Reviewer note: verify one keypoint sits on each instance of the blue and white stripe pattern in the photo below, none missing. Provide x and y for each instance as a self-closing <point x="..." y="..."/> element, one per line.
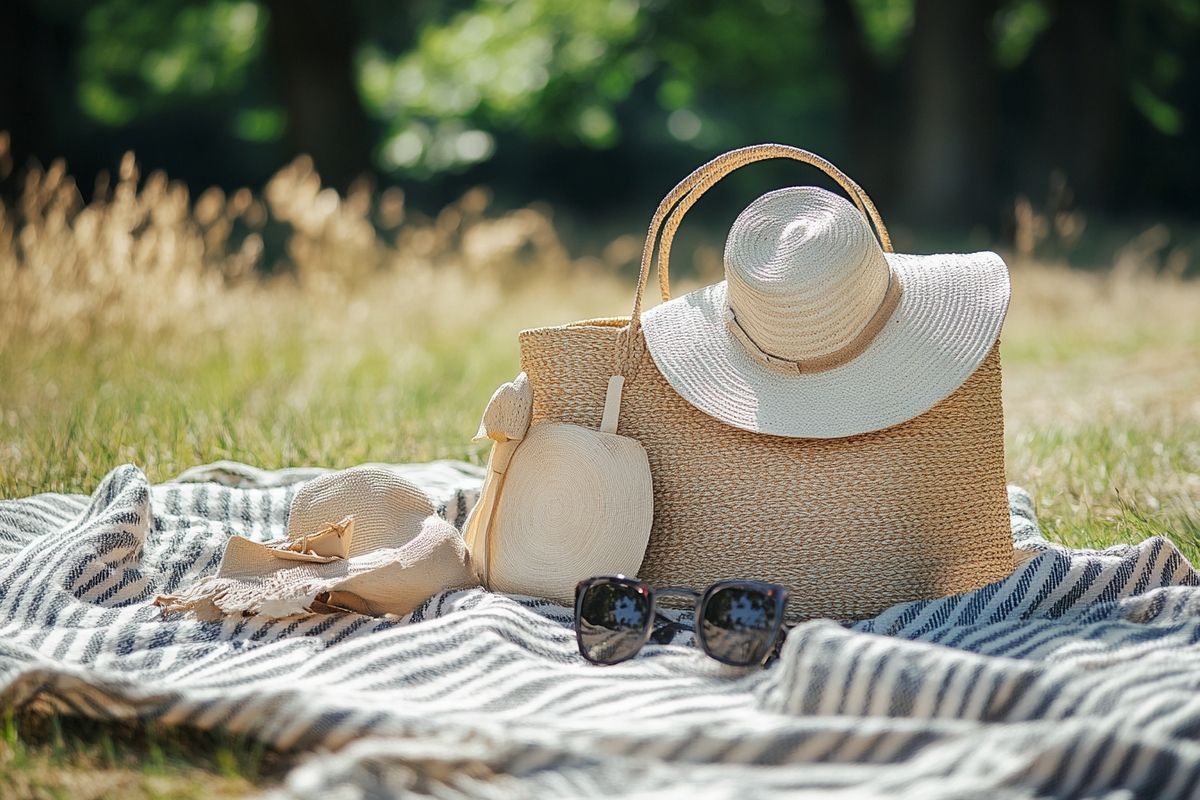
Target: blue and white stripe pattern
<point x="1077" y="676"/>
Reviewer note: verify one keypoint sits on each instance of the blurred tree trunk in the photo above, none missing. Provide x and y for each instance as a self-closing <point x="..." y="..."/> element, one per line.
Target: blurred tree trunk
<point x="312" y="47"/>
<point x="951" y="114"/>
<point x="27" y="87"/>
<point x="1079" y="74"/>
<point x="872" y="150"/>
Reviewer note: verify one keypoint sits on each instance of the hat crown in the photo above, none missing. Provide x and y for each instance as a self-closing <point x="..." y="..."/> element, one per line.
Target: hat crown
<point x="804" y="272"/>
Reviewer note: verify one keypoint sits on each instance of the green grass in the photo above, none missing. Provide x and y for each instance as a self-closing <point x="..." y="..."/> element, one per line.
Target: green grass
<point x="47" y="756"/>
<point x="1102" y="395"/>
<point x="1102" y="400"/>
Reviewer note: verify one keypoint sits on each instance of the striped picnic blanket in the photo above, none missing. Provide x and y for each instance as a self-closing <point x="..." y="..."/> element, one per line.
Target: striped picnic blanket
<point x="1079" y="675"/>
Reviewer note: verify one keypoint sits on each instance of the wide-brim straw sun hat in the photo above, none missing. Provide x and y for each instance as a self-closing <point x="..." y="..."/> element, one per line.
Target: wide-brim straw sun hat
<point x="817" y="332"/>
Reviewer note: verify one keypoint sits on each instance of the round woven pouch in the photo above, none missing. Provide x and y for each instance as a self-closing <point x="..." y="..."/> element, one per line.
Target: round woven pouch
<point x="561" y="502"/>
<point x="576" y="503"/>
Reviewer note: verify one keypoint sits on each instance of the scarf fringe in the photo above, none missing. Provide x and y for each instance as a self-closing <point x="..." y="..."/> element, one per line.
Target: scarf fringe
<point x="214" y="598"/>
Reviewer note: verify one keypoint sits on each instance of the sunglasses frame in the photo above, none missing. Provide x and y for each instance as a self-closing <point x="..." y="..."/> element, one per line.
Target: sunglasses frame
<point x="772" y="590"/>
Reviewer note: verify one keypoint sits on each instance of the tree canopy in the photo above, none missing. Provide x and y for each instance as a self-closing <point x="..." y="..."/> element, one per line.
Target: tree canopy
<point x="945" y="108"/>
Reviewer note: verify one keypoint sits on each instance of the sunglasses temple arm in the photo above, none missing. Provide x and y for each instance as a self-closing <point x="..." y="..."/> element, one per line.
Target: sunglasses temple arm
<point x="780" y="638"/>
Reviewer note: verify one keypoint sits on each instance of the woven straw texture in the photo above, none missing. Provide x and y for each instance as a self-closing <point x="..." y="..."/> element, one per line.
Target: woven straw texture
<point x="816" y="332"/>
<point x="560" y="503"/>
<point x="399" y="553"/>
<point x="850" y="525"/>
<point x="387" y="510"/>
<point x="576" y="503"/>
<point x="506" y="417"/>
<point x="844" y="280"/>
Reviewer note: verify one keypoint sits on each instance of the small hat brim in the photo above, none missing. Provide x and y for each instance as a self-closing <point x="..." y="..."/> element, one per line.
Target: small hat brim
<point x="948" y="318"/>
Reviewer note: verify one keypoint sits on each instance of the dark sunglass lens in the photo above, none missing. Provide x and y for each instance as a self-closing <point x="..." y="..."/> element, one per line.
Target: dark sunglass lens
<point x="613" y="619"/>
<point x="738" y="625"/>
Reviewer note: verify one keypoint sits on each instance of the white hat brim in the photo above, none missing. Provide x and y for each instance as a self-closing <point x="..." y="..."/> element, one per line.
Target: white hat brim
<point x="949" y="317"/>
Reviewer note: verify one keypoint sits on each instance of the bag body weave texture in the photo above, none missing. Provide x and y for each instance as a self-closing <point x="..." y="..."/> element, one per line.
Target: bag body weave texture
<point x="849" y="525"/>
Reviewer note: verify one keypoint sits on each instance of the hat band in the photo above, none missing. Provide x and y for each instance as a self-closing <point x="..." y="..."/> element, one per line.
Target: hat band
<point x="842" y="355"/>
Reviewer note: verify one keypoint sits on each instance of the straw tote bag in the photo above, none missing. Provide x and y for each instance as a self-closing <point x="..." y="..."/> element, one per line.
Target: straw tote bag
<point x="850" y="524"/>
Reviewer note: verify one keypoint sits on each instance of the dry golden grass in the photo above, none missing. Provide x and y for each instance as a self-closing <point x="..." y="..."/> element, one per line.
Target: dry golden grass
<point x="1102" y="396"/>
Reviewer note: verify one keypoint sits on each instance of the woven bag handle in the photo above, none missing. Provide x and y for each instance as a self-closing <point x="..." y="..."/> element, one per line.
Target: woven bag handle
<point x="685" y="194"/>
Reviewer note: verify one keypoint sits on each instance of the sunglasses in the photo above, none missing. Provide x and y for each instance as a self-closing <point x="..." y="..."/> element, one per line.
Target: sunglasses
<point x="736" y="622"/>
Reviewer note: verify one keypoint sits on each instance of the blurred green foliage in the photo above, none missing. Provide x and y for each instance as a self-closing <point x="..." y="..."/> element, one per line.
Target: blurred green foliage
<point x="886" y="24"/>
<point x="1017" y="28"/>
<point x="543" y="67"/>
<point x="546" y="68"/>
<point x="136" y="56"/>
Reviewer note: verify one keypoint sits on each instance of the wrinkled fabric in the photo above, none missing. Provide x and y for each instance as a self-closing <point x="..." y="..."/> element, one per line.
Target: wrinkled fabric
<point x="1079" y="675"/>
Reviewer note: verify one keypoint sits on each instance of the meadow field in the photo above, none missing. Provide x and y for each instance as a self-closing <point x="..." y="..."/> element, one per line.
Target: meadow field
<point x="169" y="329"/>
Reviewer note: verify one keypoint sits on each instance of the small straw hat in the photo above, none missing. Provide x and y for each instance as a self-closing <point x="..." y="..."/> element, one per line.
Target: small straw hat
<point x="364" y="540"/>
<point x="816" y="332"/>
